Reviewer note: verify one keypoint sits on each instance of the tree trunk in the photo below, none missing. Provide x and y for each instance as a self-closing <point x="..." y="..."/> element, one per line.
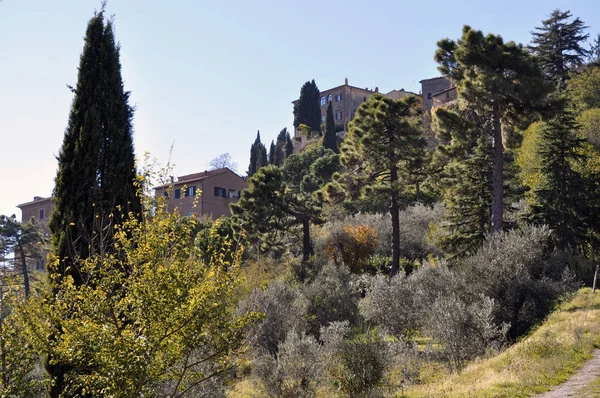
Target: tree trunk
<point x="497" y="175"/>
<point x="25" y="271"/>
<point x="306" y="245"/>
<point x="394" y="212"/>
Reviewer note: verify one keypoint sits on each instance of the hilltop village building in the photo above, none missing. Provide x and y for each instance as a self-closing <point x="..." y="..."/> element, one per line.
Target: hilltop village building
<point x="346" y="99"/>
<point x="217" y="188"/>
<point x="37" y="211"/>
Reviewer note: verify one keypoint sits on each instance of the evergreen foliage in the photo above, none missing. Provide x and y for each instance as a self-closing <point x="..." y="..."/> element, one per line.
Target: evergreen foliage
<point x="557" y="44"/>
<point x="561" y="201"/>
<point x="258" y="156"/>
<point x="330" y="138"/>
<point x="308" y="109"/>
<point x="272" y="152"/>
<point x="382" y="150"/>
<point x="95" y="183"/>
<point x="279" y="197"/>
<point x="502" y="83"/>
<point x="289" y="145"/>
<point x="95" y="187"/>
<point x="280" y="148"/>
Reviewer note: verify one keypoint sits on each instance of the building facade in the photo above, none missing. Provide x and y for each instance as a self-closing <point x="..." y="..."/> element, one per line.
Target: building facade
<point x="445" y="97"/>
<point x="430" y="88"/>
<point x="346" y="99"/>
<point x="208" y="193"/>
<point x="38" y="211"/>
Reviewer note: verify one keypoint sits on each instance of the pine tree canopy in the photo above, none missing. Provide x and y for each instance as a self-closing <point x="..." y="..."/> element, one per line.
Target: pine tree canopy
<point x="95" y="183"/>
<point x="557" y="44"/>
<point x="308" y="108"/>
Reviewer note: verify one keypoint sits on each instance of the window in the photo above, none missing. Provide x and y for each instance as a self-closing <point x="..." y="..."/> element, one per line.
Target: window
<point x="364" y="99"/>
<point x="323" y="100"/>
<point x="338" y="115"/>
<point x="220" y="192"/>
<point x="338" y="97"/>
<point x="190" y="191"/>
<point x="177" y="193"/>
<point x="41" y="214"/>
<point x="448" y="95"/>
<point x="166" y="194"/>
<point x="232" y="193"/>
<point x="428" y="95"/>
<point x="329" y="98"/>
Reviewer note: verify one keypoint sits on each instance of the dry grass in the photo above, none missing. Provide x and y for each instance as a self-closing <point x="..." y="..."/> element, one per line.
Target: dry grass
<point x="548" y="357"/>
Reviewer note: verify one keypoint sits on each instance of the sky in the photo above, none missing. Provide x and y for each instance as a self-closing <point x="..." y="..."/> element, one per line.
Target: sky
<point x="205" y="76"/>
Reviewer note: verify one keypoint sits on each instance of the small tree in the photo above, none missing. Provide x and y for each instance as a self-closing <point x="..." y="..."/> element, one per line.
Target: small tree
<point x="560" y="201"/>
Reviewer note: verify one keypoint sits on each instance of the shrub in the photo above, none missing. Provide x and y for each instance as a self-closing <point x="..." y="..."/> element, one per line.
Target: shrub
<point x="516" y="270"/>
<point x="353" y="246"/>
<point x="328" y="298"/>
<point x="360" y="364"/>
<point x="276" y="303"/>
<point x="295" y="372"/>
<point x="463" y="330"/>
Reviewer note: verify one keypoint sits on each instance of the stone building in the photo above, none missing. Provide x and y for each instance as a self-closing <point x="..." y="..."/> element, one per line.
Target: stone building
<point x="345" y="101"/>
<point x="38" y="211"/>
<point x="445" y="97"/>
<point x="208" y="193"/>
<point x="431" y="87"/>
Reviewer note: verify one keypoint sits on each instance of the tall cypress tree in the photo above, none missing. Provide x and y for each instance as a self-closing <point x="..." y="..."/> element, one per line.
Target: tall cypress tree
<point x="330" y="138"/>
<point x="289" y="145"/>
<point x="272" y="153"/>
<point x="308" y="108"/>
<point x="261" y="158"/>
<point x="561" y="201"/>
<point x="557" y="43"/>
<point x="254" y="149"/>
<point x="94" y="185"/>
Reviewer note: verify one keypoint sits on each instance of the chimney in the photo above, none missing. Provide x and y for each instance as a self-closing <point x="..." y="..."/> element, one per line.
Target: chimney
<point x="376" y="89"/>
<point x="172" y="179"/>
<point x="346" y="81"/>
<point x="36" y="198"/>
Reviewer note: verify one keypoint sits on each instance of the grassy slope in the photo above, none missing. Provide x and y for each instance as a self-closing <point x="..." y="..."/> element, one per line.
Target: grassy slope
<point x="546" y="358"/>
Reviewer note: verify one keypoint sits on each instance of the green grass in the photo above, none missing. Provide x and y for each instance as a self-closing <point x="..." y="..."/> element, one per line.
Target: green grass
<point x="547" y="357"/>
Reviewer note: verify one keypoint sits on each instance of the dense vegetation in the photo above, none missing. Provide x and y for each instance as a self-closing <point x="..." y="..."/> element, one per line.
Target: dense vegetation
<point x="354" y="266"/>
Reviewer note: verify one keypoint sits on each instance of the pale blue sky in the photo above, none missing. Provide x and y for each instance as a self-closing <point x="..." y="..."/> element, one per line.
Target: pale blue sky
<point x="207" y="75"/>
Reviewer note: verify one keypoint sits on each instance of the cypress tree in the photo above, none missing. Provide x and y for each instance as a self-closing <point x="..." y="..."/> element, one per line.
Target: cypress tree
<point x="557" y="43"/>
<point x="561" y="201"/>
<point x="96" y="174"/>
<point x="289" y="145"/>
<point x="261" y="157"/>
<point x="308" y="108"/>
<point x="280" y="149"/>
<point x="254" y="149"/>
<point x="330" y="138"/>
<point x="272" y="153"/>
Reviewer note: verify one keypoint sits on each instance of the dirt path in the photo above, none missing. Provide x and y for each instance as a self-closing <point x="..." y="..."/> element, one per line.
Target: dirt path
<point x="589" y="372"/>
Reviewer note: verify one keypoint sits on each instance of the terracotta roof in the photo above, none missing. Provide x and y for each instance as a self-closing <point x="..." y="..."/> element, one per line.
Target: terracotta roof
<point x="36" y="199"/>
<point x="195" y="177"/>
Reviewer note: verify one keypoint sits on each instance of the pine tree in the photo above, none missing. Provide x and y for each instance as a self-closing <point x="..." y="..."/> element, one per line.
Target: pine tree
<point x="561" y="201"/>
<point x="382" y="150"/>
<point x="95" y="182"/>
<point x="502" y="83"/>
<point x="557" y="44"/>
<point x="308" y="109"/>
<point x="330" y="138"/>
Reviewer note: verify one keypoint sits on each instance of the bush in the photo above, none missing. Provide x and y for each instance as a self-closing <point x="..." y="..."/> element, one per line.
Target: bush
<point x="276" y="303"/>
<point x="353" y="246"/>
<point x="516" y="270"/>
<point x="463" y="330"/>
<point x="328" y="298"/>
<point x="295" y="372"/>
<point x="360" y="365"/>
